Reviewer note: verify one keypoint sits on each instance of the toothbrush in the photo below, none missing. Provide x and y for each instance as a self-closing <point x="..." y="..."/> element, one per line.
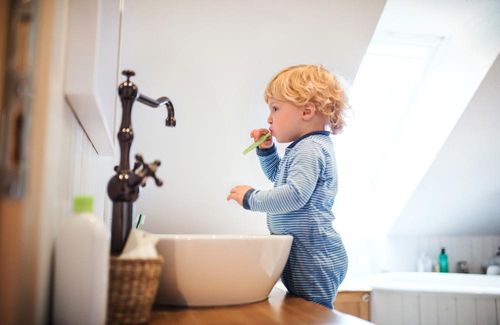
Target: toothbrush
<point x="140" y="221"/>
<point x="257" y="143"/>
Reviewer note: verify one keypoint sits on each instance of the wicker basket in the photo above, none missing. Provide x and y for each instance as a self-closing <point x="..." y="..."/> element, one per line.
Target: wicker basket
<point x="132" y="289"/>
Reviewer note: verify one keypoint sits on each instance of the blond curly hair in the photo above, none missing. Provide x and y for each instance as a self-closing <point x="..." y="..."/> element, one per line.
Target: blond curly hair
<point x="307" y="83"/>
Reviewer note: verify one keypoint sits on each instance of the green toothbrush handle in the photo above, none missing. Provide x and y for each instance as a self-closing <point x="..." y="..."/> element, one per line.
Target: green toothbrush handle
<point x="257" y="143"/>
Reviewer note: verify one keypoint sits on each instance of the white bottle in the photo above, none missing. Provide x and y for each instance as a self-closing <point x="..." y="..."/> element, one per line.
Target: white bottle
<point x="81" y="268"/>
<point x="424" y="263"/>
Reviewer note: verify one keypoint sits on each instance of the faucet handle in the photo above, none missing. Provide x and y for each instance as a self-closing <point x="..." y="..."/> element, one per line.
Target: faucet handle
<point x="128" y="74"/>
<point x="147" y="170"/>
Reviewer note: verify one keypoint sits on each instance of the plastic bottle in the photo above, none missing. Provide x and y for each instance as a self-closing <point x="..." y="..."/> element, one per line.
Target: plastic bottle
<point x="495" y="259"/>
<point x="424" y="263"/>
<point x="443" y="261"/>
<point x="493" y="267"/>
<point x="81" y="267"/>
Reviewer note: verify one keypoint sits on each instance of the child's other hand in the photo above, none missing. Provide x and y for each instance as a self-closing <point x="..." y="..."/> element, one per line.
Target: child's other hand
<point x="238" y="192"/>
<point x="257" y="133"/>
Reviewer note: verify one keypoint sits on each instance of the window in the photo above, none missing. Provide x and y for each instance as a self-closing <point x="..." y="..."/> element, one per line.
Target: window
<point x="381" y="97"/>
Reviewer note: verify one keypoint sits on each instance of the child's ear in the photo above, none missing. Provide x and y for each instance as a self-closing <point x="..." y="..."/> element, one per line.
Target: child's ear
<point x="308" y="111"/>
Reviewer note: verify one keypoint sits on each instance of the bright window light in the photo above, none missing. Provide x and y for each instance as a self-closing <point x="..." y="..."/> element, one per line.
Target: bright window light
<point x="381" y="98"/>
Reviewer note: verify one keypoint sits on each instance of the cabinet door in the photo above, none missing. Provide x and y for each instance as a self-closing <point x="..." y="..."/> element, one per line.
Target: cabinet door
<point x="356" y="303"/>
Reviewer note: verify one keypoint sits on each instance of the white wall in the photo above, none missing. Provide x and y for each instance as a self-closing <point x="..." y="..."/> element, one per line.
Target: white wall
<point x="400" y="253"/>
<point x="213" y="60"/>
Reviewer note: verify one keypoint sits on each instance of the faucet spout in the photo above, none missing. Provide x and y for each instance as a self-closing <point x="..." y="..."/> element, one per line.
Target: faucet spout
<point x="170" y="121"/>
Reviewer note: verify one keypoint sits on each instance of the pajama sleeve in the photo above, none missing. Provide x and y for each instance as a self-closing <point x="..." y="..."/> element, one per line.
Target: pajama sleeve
<point x="303" y="174"/>
<point x="269" y="162"/>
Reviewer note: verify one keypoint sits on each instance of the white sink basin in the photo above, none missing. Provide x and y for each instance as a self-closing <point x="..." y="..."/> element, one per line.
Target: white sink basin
<point x="215" y="270"/>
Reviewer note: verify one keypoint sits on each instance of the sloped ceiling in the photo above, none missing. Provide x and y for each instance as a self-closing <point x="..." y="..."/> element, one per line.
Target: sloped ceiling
<point x="460" y="193"/>
<point x="458" y="190"/>
<point x="416" y="192"/>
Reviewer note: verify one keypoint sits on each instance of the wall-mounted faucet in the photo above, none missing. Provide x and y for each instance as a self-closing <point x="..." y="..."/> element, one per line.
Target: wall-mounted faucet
<point x="123" y="187"/>
<point x="170" y="121"/>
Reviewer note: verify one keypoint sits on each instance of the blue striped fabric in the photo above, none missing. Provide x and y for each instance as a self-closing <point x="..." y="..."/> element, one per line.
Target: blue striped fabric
<point x="300" y="204"/>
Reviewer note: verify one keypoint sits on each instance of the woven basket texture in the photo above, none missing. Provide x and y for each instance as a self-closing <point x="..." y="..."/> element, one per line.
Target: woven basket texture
<point x="132" y="289"/>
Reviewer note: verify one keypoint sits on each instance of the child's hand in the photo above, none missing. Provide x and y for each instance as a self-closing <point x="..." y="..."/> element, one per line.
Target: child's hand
<point x="238" y="192"/>
<point x="257" y="133"/>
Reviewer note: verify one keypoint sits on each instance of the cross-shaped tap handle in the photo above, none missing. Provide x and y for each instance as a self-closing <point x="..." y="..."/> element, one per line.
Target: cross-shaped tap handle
<point x="147" y="170"/>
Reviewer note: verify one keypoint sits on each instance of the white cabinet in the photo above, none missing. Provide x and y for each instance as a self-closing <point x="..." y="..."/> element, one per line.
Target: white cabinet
<point x="92" y="60"/>
<point x="419" y="308"/>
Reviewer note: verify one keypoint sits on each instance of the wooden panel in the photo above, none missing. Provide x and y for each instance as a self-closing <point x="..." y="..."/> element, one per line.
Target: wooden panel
<point x="428" y="309"/>
<point x="486" y="311"/>
<point x="10" y="255"/>
<point x="466" y="310"/>
<point x="356" y="303"/>
<point x="447" y="309"/>
<point x="351" y="308"/>
<point x="364" y="306"/>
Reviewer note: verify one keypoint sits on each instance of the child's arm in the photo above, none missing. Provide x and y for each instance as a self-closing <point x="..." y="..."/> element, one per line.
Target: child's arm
<point x="303" y="175"/>
<point x="268" y="156"/>
<point x="269" y="162"/>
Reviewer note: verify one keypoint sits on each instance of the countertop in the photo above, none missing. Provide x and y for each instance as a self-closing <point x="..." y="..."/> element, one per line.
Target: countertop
<point x="279" y="308"/>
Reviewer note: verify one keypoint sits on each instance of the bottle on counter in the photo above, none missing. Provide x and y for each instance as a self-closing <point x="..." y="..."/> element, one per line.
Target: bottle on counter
<point x="462" y="267"/>
<point x="424" y="263"/>
<point x="493" y="267"/>
<point x="81" y="267"/>
<point x="443" y="261"/>
<point x="495" y="259"/>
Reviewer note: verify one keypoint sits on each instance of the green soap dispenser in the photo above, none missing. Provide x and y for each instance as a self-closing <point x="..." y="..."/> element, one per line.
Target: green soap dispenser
<point x="443" y="261"/>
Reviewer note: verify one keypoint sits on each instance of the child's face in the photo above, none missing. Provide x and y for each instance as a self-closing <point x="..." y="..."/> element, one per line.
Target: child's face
<point x="285" y="120"/>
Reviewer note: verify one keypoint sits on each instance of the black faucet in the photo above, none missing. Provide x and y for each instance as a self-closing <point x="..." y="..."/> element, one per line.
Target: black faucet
<point x="123" y="187"/>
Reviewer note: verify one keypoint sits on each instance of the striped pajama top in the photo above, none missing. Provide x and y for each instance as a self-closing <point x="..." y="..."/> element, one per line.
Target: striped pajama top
<point x="300" y="204"/>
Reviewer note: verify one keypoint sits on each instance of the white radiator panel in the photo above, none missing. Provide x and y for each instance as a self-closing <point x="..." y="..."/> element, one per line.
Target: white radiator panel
<point x="410" y="308"/>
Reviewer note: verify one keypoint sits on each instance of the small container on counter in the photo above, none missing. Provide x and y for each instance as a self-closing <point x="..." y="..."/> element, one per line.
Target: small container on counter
<point x="493" y="267"/>
<point x="462" y="267"/>
<point x="443" y="261"/>
<point x="424" y="263"/>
